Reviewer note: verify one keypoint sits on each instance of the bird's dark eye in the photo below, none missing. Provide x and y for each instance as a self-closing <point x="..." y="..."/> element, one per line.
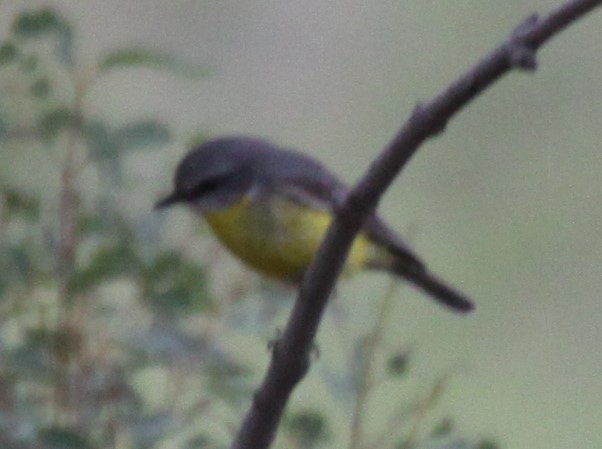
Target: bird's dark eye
<point x="203" y="188"/>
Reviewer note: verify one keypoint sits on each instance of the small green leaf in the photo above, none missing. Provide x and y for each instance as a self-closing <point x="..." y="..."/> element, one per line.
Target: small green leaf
<point x="34" y="359"/>
<point x="20" y="203"/>
<point x="54" y="121"/>
<point x="35" y="23"/>
<point x="176" y="285"/>
<point x="309" y="427"/>
<point x="20" y="264"/>
<point x="227" y="379"/>
<point x="40" y="88"/>
<point x="149" y="58"/>
<point x="88" y="225"/>
<point x="44" y="22"/>
<point x="108" y="262"/>
<point x="8" y="53"/>
<point x="397" y="365"/>
<point x="443" y="427"/>
<point x="487" y="444"/>
<point x="29" y="362"/>
<point x="141" y="135"/>
<point x="62" y="438"/>
<point x="100" y="141"/>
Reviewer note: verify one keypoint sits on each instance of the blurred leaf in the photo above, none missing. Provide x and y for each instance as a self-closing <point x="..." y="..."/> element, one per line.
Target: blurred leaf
<point x="150" y="58"/>
<point x="20" y="203"/>
<point x="54" y="121"/>
<point x="309" y="427"/>
<point x="29" y="63"/>
<point x="35" y="23"/>
<point x="487" y="444"/>
<point x="453" y="444"/>
<point x="165" y="342"/>
<point x="148" y="429"/>
<point x="33" y="360"/>
<point x="227" y="379"/>
<point x="108" y="262"/>
<point x="112" y="388"/>
<point x="176" y="285"/>
<point x="397" y="365"/>
<point x="141" y="135"/>
<point x="88" y="225"/>
<point x="30" y="362"/>
<point x="100" y="141"/>
<point x="19" y="264"/>
<point x="8" y="53"/>
<point x="40" y="88"/>
<point x="443" y="427"/>
<point x="66" y="344"/>
<point x="203" y="442"/>
<point x="45" y="22"/>
<point x="62" y="438"/>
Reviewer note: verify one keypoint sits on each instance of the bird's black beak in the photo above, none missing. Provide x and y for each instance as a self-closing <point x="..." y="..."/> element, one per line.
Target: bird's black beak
<point x="169" y="200"/>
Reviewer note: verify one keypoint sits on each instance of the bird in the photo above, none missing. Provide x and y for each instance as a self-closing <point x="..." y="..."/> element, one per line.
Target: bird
<point x="271" y="207"/>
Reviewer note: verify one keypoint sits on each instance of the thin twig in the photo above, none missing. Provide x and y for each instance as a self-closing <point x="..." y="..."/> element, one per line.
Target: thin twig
<point x="422" y="409"/>
<point x="365" y="384"/>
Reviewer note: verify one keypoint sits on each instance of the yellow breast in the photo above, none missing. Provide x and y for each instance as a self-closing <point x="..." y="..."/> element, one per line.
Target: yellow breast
<point x="279" y="237"/>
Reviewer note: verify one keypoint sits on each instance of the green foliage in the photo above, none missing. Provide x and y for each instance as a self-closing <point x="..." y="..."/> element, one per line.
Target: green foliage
<point x="106" y="263"/>
<point x="31" y="360"/>
<point x="397" y="364"/>
<point x="37" y="23"/>
<point x="29" y="63"/>
<point x="8" y="52"/>
<point x="67" y="359"/>
<point x="17" y="202"/>
<point x="59" y="438"/>
<point x="53" y="121"/>
<point x="172" y="284"/>
<point x="40" y="88"/>
<point x="308" y="428"/>
<point x="107" y="145"/>
<point x="99" y="139"/>
<point x="42" y="23"/>
<point x="19" y="262"/>
<point x="487" y="444"/>
<point x="443" y="427"/>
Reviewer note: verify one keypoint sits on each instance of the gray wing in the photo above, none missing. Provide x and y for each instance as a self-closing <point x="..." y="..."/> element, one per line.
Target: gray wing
<point x="310" y="184"/>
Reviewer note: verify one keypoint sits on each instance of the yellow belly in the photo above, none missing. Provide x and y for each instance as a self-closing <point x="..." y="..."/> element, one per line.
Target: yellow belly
<point x="278" y="237"/>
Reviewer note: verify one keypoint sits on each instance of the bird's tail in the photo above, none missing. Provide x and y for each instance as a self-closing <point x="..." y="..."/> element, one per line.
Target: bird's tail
<point x="438" y="290"/>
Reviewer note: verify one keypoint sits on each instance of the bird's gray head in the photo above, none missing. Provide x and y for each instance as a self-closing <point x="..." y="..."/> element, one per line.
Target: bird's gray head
<point x="214" y="175"/>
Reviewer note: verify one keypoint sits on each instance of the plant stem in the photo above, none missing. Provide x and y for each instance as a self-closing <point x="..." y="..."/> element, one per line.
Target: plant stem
<point x="366" y="378"/>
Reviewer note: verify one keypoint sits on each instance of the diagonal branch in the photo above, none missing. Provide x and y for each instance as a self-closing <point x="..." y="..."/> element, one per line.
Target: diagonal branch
<point x="291" y="354"/>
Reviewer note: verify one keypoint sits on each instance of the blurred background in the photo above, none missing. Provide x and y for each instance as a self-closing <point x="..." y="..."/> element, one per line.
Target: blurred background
<point x="123" y="327"/>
